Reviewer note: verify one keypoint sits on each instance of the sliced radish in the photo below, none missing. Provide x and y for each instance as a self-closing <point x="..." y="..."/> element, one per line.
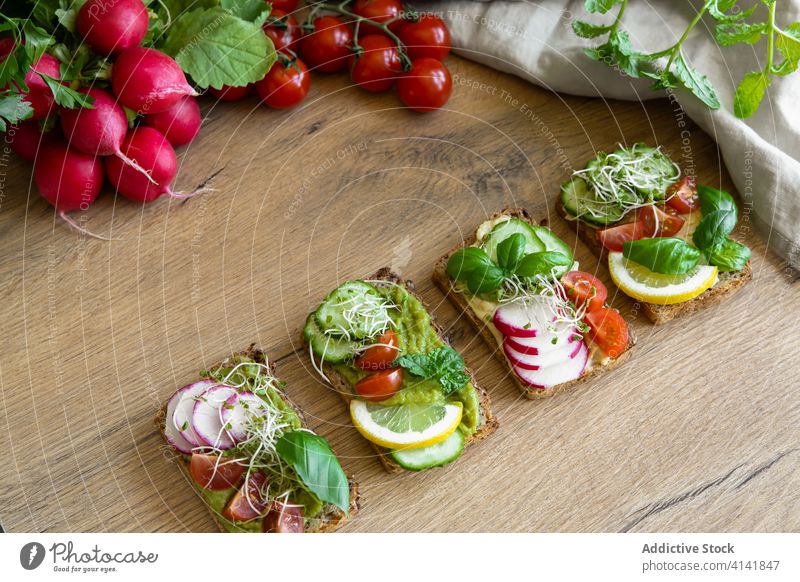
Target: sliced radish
<point x="524" y="317"/>
<point x="558" y="373"/>
<point x="207" y="417"/>
<point x="547" y="340"/>
<point x="241" y="407"/>
<point x="182" y="416"/>
<point x="536" y="361"/>
<point x="171" y="431"/>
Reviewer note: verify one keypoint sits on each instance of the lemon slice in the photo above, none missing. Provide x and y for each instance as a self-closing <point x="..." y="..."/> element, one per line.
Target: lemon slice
<point x="641" y="283"/>
<point x="408" y="426"/>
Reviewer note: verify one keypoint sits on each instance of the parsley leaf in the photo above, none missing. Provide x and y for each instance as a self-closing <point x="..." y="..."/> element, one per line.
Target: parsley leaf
<point x="13" y="110"/>
<point x="65" y="96"/>
<point x="443" y="364"/>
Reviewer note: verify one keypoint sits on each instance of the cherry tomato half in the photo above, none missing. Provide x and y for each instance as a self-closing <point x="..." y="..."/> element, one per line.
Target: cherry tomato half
<point x="427" y="86"/>
<point x="612" y="238"/>
<point x="248" y="505"/>
<point x="228" y="93"/>
<point x="427" y="37"/>
<point x="608" y="330"/>
<point x="284" y="518"/>
<point x="377" y="66"/>
<point x="282" y="29"/>
<point x="380" y="385"/>
<point x="284" y="86"/>
<point x="582" y="287"/>
<point x="682" y="195"/>
<point x="379" y="357"/>
<point x="327" y="47"/>
<point x="379" y="11"/>
<point x="210" y="474"/>
<point x="656" y="222"/>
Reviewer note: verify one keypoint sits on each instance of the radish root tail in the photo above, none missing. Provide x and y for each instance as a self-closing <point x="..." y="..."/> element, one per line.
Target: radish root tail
<point x="186" y="195"/>
<point x="79" y="228"/>
<point x="135" y="165"/>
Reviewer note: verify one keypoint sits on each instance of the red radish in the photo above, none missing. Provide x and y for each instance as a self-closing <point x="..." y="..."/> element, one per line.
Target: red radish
<point x="68" y="179"/>
<point x="111" y="26"/>
<point x="182" y="415"/>
<point x="152" y="152"/>
<point x="536" y="361"/>
<point x="558" y="373"/>
<point x="239" y="408"/>
<point x="207" y="417"/>
<point x="228" y="93"/>
<point x="524" y="317"/>
<point x="25" y="139"/>
<point x="180" y="124"/>
<point x="547" y="341"/>
<point x="148" y="81"/>
<point x="39" y="94"/>
<point x="171" y="430"/>
<point x="100" y="130"/>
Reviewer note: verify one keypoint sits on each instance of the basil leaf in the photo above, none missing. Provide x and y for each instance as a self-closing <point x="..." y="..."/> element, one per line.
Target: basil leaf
<point x="542" y="263"/>
<point x="729" y="255"/>
<point x="713" y="229"/>
<point x="510" y="251"/>
<point x="473" y="266"/>
<point x="313" y="460"/>
<point x="712" y="199"/>
<point x="668" y="256"/>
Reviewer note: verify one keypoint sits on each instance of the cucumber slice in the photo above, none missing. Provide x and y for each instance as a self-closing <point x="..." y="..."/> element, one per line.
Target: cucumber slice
<point x="578" y="201"/>
<point x="355" y="309"/>
<point x="330" y="349"/>
<point x="553" y="243"/>
<point x="504" y="230"/>
<point x="436" y="455"/>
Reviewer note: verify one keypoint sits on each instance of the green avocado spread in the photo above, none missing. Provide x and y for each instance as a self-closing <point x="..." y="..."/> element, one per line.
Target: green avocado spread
<point x="416" y="335"/>
<point x="217" y="500"/>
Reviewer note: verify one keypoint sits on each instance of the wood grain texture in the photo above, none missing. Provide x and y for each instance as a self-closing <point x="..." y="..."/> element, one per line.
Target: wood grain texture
<point x="699" y="431"/>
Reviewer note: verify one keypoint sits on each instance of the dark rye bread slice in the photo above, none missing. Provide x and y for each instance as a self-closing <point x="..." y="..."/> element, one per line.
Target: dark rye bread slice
<point x="447" y="285"/>
<point x="728" y="283"/>
<point x="329" y="519"/>
<point x="488" y="422"/>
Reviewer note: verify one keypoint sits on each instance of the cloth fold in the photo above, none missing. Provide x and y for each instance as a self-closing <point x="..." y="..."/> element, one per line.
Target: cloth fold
<point x="534" y="40"/>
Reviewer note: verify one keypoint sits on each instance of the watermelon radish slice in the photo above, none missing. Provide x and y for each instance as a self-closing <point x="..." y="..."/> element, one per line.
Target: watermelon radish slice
<point x="182" y="417"/>
<point x="523" y="318"/>
<point x="240" y="408"/>
<point x="534" y="362"/>
<point x="171" y="431"/>
<point x="546" y="341"/>
<point x="207" y="417"/>
<point x="558" y="373"/>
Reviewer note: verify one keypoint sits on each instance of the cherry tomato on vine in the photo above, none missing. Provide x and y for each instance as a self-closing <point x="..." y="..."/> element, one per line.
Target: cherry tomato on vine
<point x="228" y="93"/>
<point x="327" y="47"/>
<point x="426" y="86"/>
<point x="428" y="37"/>
<point x="379" y="11"/>
<point x="282" y="29"/>
<point x="284" y="86"/>
<point x="376" y="68"/>
<point x="285" y="5"/>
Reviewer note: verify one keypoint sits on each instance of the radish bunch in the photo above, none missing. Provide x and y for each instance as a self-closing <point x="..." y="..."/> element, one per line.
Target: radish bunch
<point x="70" y="165"/>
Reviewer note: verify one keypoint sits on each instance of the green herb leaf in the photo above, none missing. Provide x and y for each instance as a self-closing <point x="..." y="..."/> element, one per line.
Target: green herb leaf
<point x="588" y="30"/>
<point x="473" y="266"/>
<point x="13" y="110"/>
<point x="729" y="255"/>
<point x="712" y="199"/>
<point x="313" y="460"/>
<point x="713" y="229"/>
<point x="749" y="93"/>
<point x="250" y="10"/>
<point x="668" y="256"/>
<point x="443" y="364"/>
<point x="695" y="82"/>
<point x="65" y="96"/>
<point x="788" y="44"/>
<point x="601" y="6"/>
<point x="217" y="48"/>
<point x="730" y="33"/>
<point x="542" y="263"/>
<point x="510" y="251"/>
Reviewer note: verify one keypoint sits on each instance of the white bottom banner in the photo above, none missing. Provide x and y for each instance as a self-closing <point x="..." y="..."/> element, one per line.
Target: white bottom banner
<point x="388" y="557"/>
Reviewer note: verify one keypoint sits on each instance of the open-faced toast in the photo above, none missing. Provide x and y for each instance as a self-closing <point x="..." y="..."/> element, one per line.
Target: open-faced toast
<point x="344" y="388"/>
<point x="328" y="519"/>
<point x="458" y="297"/>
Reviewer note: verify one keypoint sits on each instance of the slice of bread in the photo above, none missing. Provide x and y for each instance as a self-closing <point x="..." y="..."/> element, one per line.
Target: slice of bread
<point x="447" y="285"/>
<point x="329" y="519"/>
<point x="340" y="384"/>
<point x="728" y="283"/>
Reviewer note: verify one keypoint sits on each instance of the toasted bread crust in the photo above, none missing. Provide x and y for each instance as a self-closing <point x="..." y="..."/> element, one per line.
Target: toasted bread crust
<point x="445" y="283"/>
<point x="330" y="519"/>
<point x="728" y="283"/>
<point x="342" y="386"/>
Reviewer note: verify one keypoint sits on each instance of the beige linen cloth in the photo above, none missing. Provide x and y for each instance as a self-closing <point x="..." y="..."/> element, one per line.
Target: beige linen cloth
<point x="534" y="40"/>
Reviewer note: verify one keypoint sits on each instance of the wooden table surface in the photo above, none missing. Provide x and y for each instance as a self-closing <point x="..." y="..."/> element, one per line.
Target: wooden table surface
<point x="699" y="431"/>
